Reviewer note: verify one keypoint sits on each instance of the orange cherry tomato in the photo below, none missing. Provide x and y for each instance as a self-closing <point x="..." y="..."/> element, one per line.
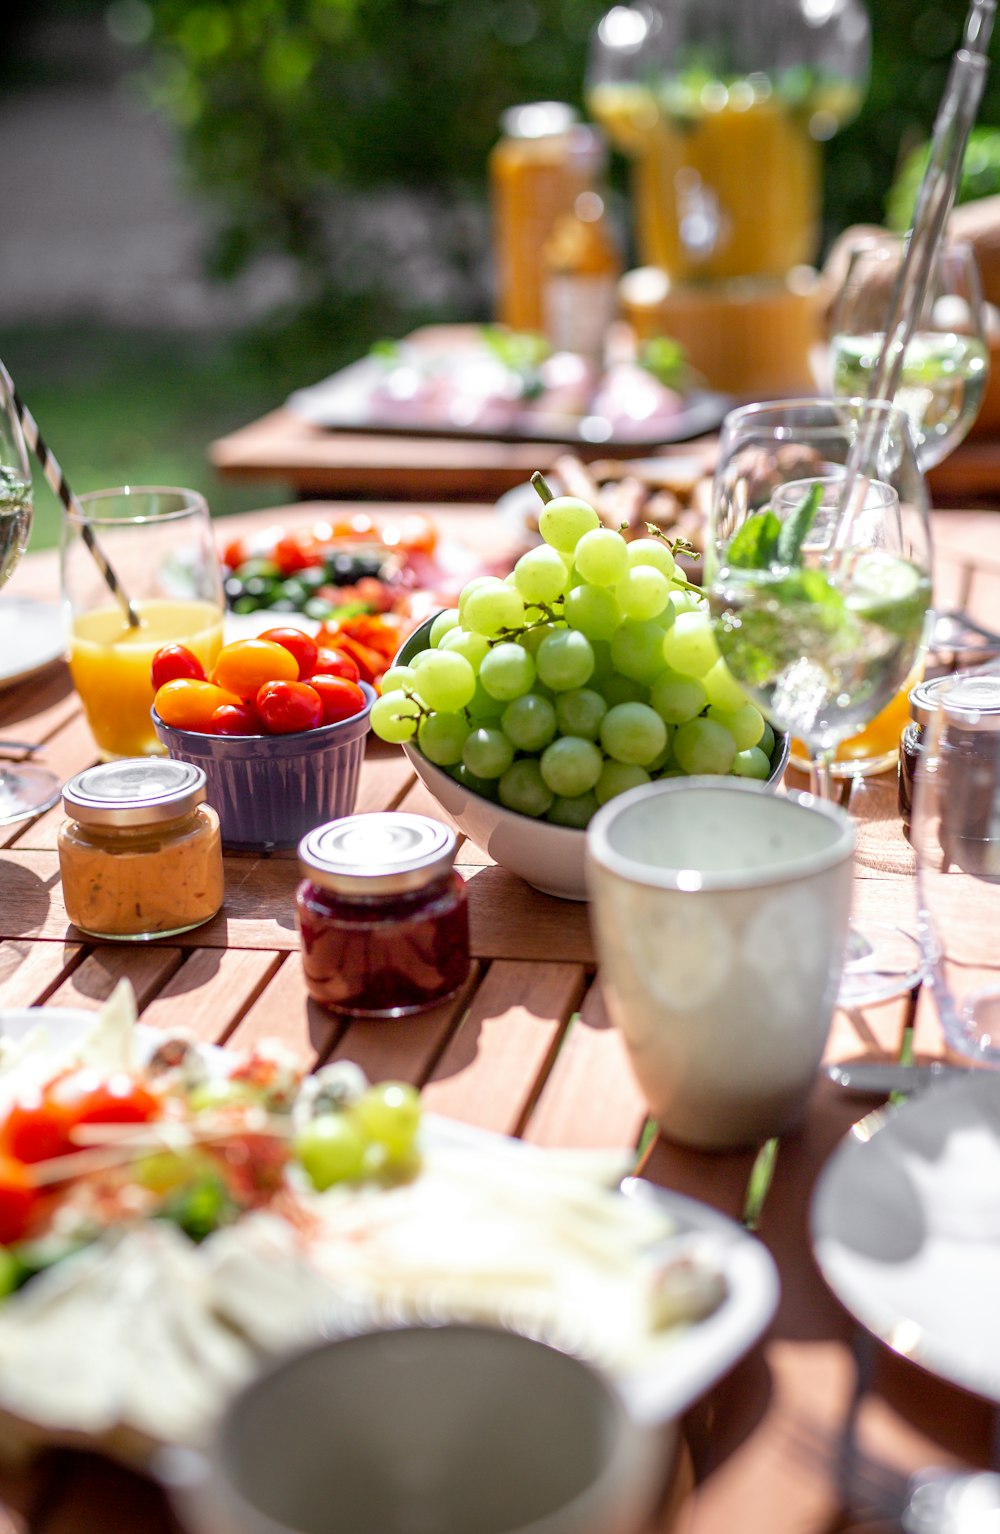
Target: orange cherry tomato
<point x="341" y="698"/>
<point x="331" y="662"/>
<point x="18" y="1197"/>
<point x="189" y="705"/>
<point x="303" y="646"/>
<point x="173" y="661"/>
<point x="289" y="707"/>
<point x="236" y="719"/>
<point x="243" y="668"/>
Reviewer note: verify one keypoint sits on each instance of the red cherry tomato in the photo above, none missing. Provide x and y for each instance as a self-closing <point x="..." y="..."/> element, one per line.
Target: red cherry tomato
<point x="340" y="698"/>
<point x="236" y="552"/>
<point x="296" y="551"/>
<point x="302" y="646"/>
<point x="288" y="707"/>
<point x="18" y="1197"/>
<point x="173" y="661"/>
<point x="88" y="1097"/>
<point x="330" y="662"/>
<point x="35" y="1130"/>
<point x="189" y="705"/>
<point x="236" y="719"/>
<point x="243" y="667"/>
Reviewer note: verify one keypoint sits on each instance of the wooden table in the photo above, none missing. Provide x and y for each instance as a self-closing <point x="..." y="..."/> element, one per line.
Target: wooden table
<point x="526" y="1050"/>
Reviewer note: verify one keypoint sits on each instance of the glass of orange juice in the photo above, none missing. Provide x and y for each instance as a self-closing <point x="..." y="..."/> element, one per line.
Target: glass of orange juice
<point x="159" y="543"/>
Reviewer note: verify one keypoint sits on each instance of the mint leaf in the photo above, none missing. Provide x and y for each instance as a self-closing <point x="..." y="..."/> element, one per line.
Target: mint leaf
<point x="754" y="546"/>
<point x="795" y="528"/>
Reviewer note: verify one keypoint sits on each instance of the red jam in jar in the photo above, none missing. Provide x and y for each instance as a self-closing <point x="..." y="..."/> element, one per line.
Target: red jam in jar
<point x="382" y="914"/>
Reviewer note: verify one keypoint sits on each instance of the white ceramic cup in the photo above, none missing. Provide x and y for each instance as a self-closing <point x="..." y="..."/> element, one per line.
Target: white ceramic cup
<point x="721" y="913"/>
<point x="425" y="1430"/>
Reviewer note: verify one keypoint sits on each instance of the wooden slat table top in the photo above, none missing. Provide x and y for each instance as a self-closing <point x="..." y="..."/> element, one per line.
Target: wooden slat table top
<point x="526" y="1049"/>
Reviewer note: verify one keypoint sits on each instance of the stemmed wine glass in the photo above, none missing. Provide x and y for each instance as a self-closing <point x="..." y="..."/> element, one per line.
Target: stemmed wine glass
<point x="819" y="613"/>
<point x="946" y="363"/>
<point x="24" y="790"/>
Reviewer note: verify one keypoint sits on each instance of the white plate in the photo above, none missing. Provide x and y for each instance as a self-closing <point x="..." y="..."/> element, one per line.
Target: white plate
<point x="906" y="1229"/>
<point x="687" y="1363"/>
<point x="32" y="636"/>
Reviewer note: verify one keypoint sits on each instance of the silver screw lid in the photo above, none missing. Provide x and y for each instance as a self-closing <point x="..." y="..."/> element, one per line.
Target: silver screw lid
<point x="971" y="693"/>
<point x="137" y="791"/>
<point x="378" y="854"/>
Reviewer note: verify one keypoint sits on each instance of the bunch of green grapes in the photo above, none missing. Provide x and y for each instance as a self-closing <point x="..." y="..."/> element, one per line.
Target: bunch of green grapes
<point x="591" y="668"/>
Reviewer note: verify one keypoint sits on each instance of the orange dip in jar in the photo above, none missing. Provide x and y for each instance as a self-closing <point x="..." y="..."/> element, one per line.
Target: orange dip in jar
<point x="140" y="852"/>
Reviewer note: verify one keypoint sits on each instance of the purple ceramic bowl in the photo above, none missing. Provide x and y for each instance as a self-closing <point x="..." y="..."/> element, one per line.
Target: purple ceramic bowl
<point x="269" y="790"/>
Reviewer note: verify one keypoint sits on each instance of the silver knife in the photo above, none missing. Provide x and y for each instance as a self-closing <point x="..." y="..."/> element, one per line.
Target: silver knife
<point x="878" y="1078"/>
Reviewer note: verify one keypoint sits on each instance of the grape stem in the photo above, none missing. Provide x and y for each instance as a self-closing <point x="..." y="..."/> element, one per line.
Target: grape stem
<point x="548" y="615"/>
<point x="542" y="487"/>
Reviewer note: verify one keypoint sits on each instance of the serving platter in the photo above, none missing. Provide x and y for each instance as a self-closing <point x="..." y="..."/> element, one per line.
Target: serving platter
<point x="682" y="1362"/>
<point x="906" y="1229"/>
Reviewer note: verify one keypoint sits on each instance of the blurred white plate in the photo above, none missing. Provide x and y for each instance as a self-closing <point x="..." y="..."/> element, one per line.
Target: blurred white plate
<point x="685" y="1363"/>
<point x="906" y="1229"/>
<point x="32" y="636"/>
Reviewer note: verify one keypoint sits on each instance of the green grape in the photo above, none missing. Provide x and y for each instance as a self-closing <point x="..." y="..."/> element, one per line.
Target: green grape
<point x="565" y="660"/>
<point x="529" y="723"/>
<point x="617" y="778"/>
<point x="488" y="753"/>
<point x="507" y="672"/>
<point x="472" y="646"/>
<point x="522" y="788"/>
<point x="420" y="659"/>
<point x="394" y="717"/>
<point x="601" y="557"/>
<point x="593" y="610"/>
<point x="398" y="678"/>
<point x="389" y="1114"/>
<point x="478" y="583"/>
<point x="686" y="602"/>
<point x="621" y="689"/>
<point x="766" y="742"/>
<point x="643" y="593"/>
<point x="533" y="639"/>
<point x="571" y="766"/>
<point x="677" y="698"/>
<point x="446" y="681"/>
<point x="664" y="758"/>
<point x="493" y="609"/>
<point x="576" y="812"/>
<point x="486" y="788"/>
<point x="331" y="1149"/>
<point x="484" y="709"/>
<point x="652" y="551"/>
<point x="704" y="746"/>
<point x="541" y="575"/>
<point x="564" y="520"/>
<point x="441" y="738"/>
<point x="602" y="662"/>
<point x="443" y="624"/>
<point x="745" y="725"/>
<point x="752" y="763"/>
<point x="723" y="690"/>
<point x="689" y="645"/>
<point x="633" y="733"/>
<point x="580" y="711"/>
<point x="637" y="650"/>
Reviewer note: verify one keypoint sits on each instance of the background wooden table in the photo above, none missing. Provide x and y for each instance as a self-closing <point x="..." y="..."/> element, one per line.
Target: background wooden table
<point x="526" y="1050"/>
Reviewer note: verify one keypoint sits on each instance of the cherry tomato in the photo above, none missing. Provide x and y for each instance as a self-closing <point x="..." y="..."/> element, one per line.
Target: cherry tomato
<point x="288" y="707"/>
<point x="17" y="1200"/>
<point x="236" y="552"/>
<point x="360" y="525"/>
<point x="173" y="661"/>
<point x="236" y="719"/>
<point x="243" y="668"/>
<point x="331" y="662"/>
<point x="301" y="645"/>
<point x="340" y="698"/>
<point x="87" y="1096"/>
<point x="296" y="551"/>
<point x="35" y="1130"/>
<point x="189" y="705"/>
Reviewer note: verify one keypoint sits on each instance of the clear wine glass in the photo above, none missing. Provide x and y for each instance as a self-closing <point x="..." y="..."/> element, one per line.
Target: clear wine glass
<point x="24" y="789"/>
<point x="821" y="620"/>
<point x="956" y="835"/>
<point x="946" y="363"/>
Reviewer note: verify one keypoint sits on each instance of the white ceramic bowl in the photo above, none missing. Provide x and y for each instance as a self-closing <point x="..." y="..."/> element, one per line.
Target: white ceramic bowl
<point x="549" y="857"/>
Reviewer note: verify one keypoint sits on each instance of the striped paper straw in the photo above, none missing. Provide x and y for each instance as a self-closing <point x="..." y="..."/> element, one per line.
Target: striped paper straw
<point x="57" y="482"/>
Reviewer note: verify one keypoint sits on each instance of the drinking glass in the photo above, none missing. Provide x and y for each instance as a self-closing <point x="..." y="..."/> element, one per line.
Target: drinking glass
<point x="956" y="835"/>
<point x="24" y="789"/>
<point x="822" y="630"/>
<point x="946" y="363"/>
<point x="159" y="542"/>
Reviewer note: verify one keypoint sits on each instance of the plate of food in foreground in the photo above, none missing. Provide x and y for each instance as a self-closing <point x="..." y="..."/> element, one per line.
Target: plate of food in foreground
<point x="173" y="1214"/>
<point x="906" y="1229"/>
